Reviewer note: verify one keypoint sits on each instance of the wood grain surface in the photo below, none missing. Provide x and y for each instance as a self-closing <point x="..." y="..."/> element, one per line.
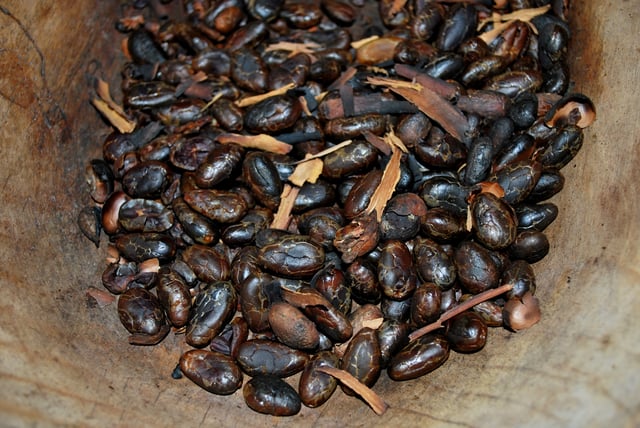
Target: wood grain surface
<point x="64" y="361"/>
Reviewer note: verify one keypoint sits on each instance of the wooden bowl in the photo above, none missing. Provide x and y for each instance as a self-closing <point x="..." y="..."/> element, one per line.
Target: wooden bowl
<point x="66" y="361"/>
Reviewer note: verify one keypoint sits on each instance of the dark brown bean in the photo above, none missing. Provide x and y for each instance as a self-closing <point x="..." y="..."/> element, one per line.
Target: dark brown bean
<point x="261" y="175"/>
<point x="146" y="180"/>
<point x="212" y="371"/>
<point x="221" y="206"/>
<point x="201" y="229"/>
<point x="174" y="296"/>
<point x="271" y="395"/>
<point x="362" y="358"/>
<point x="531" y="246"/>
<point x="520" y="274"/>
<point x="393" y="335"/>
<point x="466" y="332"/>
<point x="292" y="255"/>
<point x="425" y="304"/>
<point x="433" y="264"/>
<point x="212" y="310"/>
<point x="208" y="264"/>
<point x="292" y="328"/>
<point x="266" y="357"/>
<point x="477" y="271"/>
<point x="353" y="158"/>
<point x="141" y="314"/>
<point x="494" y="221"/>
<point x="139" y="247"/>
<point x="315" y="387"/>
<point x="419" y="357"/>
<point x="143" y="215"/>
<point x="254" y="302"/>
<point x="396" y="272"/>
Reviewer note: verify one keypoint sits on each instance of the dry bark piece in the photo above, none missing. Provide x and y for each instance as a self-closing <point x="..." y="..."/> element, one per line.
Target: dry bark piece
<point x="260" y="141"/>
<point x="467" y="304"/>
<point x="430" y="103"/>
<point x="368" y="395"/>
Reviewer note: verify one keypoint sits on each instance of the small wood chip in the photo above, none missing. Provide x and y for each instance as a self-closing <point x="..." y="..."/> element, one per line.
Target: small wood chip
<point x="113" y="112"/>
<point x="430" y="103"/>
<point x="368" y="395"/>
<point x="467" y="304"/>
<point x="283" y="216"/>
<point x="306" y="172"/>
<point x="390" y="177"/>
<point x="325" y="152"/>
<point x="359" y="43"/>
<point x="244" y="102"/>
<point x="294" y="48"/>
<point x="260" y="141"/>
<point x="500" y="22"/>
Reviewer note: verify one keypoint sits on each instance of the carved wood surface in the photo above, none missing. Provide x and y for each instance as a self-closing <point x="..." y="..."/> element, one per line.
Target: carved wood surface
<point x="66" y="362"/>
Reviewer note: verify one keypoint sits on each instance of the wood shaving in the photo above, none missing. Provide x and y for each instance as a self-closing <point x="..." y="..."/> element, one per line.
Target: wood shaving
<point x="260" y="141"/>
<point x="244" y="102"/>
<point x="367" y="394"/>
<point x="390" y="178"/>
<point x="359" y="43"/>
<point x="325" y="152"/>
<point x="467" y="304"/>
<point x="294" y="48"/>
<point x="501" y="22"/>
<point x="283" y="216"/>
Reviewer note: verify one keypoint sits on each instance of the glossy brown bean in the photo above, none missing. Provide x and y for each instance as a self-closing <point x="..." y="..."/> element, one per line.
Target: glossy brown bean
<point x="363" y="281"/>
<point x="362" y="359"/>
<point x="212" y="371"/>
<point x="425" y="304"/>
<point x="531" y="246"/>
<point x="401" y="217"/>
<point x="254" y="302"/>
<point x="315" y="387"/>
<point x="174" y="296"/>
<point x="139" y="247"/>
<point x="261" y="175"/>
<point x="494" y="221"/>
<point x="273" y="114"/>
<point x="396" y="271"/>
<point x="466" y="332"/>
<point x="146" y="180"/>
<point x="141" y="314"/>
<point x="518" y="180"/>
<point x="419" y="357"/>
<point x="360" y="194"/>
<point x="208" y="264"/>
<point x="433" y="264"/>
<point x="331" y="282"/>
<point x="213" y="308"/>
<point x="536" y="216"/>
<point x="218" y="205"/>
<point x="266" y="357"/>
<point x="329" y="321"/>
<point x="393" y="335"/>
<point x="520" y="274"/>
<point x="355" y="157"/>
<point x="143" y="215"/>
<point x="248" y="71"/>
<point x="477" y="271"/>
<point x="443" y="225"/>
<point x="200" y="228"/>
<point x="271" y="395"/>
<point x="292" y="256"/>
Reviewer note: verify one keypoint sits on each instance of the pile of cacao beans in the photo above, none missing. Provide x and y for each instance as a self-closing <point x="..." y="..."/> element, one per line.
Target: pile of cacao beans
<point x="211" y="238"/>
